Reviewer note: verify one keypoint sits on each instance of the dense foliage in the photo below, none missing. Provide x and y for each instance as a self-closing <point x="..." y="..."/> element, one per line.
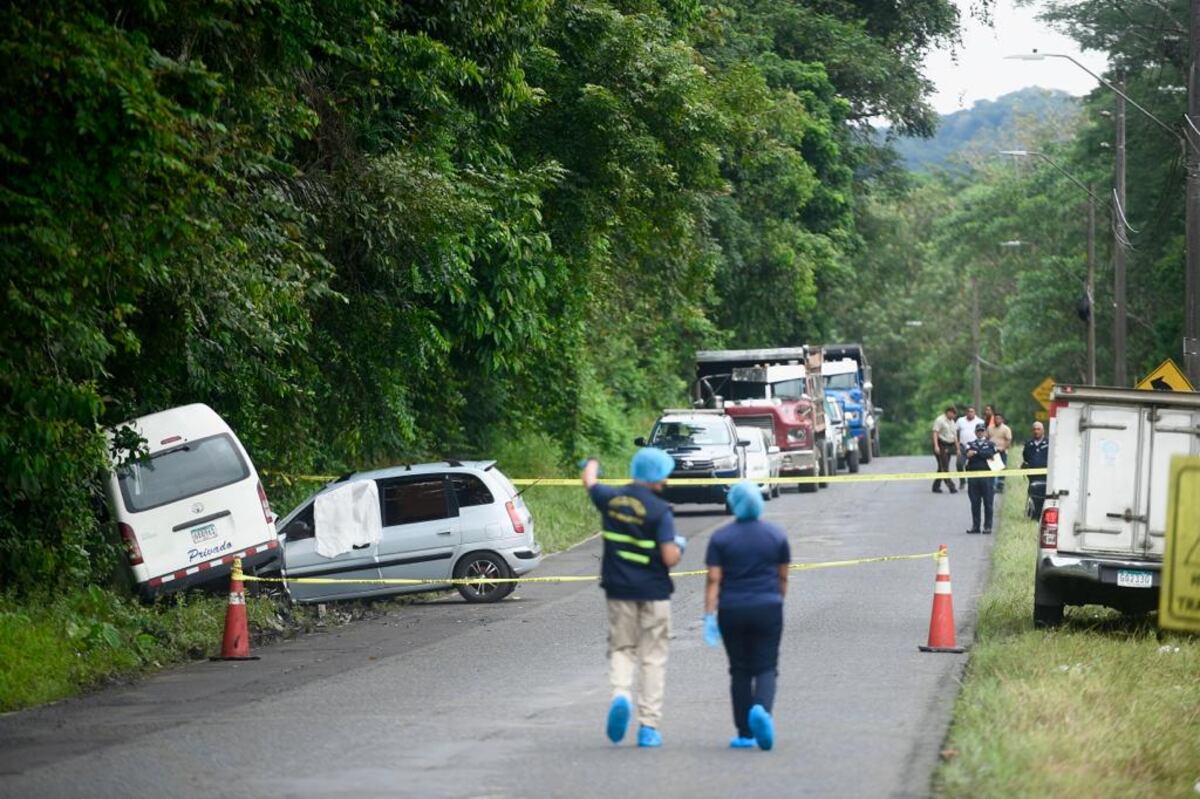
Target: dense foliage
<point x="366" y="230"/>
<point x="1016" y="228"/>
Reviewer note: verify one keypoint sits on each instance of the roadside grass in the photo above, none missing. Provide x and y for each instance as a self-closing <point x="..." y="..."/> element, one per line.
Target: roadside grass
<point x="1105" y="706"/>
<point x="52" y="648"/>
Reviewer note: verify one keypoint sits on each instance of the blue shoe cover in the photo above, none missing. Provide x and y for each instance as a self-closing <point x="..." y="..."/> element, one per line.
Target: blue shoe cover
<point x="738" y="742"/>
<point x="763" y="727"/>
<point x="649" y="737"/>
<point x="618" y="718"/>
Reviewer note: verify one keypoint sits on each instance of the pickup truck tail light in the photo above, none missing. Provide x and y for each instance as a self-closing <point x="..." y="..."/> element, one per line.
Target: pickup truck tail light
<point x="515" y="518"/>
<point x="266" y="506"/>
<point x="1048" y="529"/>
<point x="132" y="550"/>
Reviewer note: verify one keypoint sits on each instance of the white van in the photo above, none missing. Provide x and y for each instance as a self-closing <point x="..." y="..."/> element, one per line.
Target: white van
<point x="193" y="506"/>
<point x="1103" y="526"/>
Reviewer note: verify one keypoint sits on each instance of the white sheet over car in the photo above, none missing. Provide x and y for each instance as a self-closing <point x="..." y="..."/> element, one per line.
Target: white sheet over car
<point x="347" y="517"/>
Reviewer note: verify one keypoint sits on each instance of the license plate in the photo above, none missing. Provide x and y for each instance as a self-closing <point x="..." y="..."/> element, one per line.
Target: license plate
<point x="1134" y="579"/>
<point x="205" y="532"/>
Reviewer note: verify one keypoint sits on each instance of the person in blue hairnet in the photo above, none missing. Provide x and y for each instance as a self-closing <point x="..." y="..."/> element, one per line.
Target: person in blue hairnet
<point x="640" y="546"/>
<point x="743" y="606"/>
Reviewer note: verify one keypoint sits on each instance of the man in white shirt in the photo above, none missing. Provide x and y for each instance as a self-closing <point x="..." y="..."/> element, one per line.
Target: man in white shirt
<point x="966" y="434"/>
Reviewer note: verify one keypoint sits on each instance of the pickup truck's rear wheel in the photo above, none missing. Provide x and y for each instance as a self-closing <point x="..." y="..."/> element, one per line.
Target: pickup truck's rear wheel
<point x="1047" y="615"/>
<point x="875" y="443"/>
<point x="864" y="450"/>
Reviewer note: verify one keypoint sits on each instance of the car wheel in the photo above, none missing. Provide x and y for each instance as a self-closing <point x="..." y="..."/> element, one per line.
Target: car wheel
<point x="864" y="450"/>
<point x="852" y="460"/>
<point x="875" y="443"/>
<point x="1047" y="615"/>
<point x="776" y="489"/>
<point x="481" y="565"/>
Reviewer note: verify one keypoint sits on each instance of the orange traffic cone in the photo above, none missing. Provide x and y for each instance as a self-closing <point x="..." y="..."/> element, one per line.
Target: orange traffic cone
<point x="236" y="645"/>
<point x="941" y="622"/>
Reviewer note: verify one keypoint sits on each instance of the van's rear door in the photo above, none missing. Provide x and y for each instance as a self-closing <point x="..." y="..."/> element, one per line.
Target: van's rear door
<point x="1174" y="431"/>
<point x="1114" y="464"/>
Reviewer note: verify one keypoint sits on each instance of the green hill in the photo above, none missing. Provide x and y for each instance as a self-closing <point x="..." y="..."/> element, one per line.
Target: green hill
<point x="987" y="126"/>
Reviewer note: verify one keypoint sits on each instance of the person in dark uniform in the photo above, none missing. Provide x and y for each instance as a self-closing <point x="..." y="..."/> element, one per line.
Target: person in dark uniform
<point x="1035" y="456"/>
<point x="743" y="604"/>
<point x="980" y="490"/>
<point x="640" y="545"/>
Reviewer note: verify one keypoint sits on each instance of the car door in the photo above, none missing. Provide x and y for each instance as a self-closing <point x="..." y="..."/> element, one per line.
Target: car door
<point x="421" y="529"/>
<point x="300" y="559"/>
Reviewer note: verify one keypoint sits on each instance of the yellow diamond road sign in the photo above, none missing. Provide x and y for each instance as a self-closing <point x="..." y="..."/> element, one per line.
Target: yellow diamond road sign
<point x="1179" y="600"/>
<point x="1042" y="392"/>
<point x="1167" y="377"/>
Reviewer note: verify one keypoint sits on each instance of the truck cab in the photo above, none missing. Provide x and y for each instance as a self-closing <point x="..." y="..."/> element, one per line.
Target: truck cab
<point x="847" y="377"/>
<point x="775" y="389"/>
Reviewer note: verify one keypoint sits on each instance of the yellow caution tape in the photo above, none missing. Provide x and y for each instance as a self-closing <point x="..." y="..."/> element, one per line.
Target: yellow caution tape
<point x="695" y="481"/>
<point x="829" y="564"/>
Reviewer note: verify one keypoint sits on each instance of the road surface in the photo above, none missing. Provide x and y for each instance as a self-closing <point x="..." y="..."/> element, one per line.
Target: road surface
<point x="445" y="699"/>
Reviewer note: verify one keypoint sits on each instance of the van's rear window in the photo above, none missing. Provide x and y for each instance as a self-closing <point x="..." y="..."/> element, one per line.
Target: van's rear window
<point x="182" y="472"/>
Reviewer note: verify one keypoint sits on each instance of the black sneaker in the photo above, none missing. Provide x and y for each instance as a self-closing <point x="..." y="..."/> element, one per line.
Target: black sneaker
<point x="987" y="531"/>
<point x="953" y="490"/>
<point x="937" y="490"/>
<point x="972" y="532"/>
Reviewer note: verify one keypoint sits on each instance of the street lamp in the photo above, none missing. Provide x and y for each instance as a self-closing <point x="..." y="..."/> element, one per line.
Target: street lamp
<point x="1190" y="141"/>
<point x="1091" y="254"/>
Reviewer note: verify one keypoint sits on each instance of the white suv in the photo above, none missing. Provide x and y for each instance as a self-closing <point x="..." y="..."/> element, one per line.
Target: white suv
<point x="438" y="521"/>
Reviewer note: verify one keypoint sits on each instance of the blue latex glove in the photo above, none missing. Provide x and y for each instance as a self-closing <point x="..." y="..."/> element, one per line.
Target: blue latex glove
<point x="584" y="462"/>
<point x="712" y="633"/>
<point x="681" y="542"/>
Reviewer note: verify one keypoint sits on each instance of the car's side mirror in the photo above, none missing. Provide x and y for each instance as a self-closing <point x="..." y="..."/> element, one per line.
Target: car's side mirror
<point x="640" y="441"/>
<point x="743" y="443"/>
<point x="772" y="450"/>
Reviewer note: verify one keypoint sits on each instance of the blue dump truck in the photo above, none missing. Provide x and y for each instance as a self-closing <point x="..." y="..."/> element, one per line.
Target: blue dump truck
<point x="847" y="377"/>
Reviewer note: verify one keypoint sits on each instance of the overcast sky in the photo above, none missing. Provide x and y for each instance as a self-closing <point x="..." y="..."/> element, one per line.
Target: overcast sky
<point x="979" y="72"/>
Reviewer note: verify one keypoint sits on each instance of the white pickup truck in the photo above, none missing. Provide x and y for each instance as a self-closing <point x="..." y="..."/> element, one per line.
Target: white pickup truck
<point x="1103" y="525"/>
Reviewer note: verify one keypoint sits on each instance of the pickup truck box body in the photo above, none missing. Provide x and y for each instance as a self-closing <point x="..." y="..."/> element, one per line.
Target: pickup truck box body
<point x="1103" y="525"/>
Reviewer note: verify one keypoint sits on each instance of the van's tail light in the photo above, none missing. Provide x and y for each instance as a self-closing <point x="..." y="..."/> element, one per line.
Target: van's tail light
<point x="266" y="506"/>
<point x="515" y="518"/>
<point x="131" y="545"/>
<point x="1048" y="529"/>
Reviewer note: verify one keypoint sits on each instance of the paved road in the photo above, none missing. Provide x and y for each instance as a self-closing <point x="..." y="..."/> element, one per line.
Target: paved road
<point x="449" y="700"/>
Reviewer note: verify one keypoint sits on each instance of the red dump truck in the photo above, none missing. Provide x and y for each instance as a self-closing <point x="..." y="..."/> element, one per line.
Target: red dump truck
<point x="780" y="390"/>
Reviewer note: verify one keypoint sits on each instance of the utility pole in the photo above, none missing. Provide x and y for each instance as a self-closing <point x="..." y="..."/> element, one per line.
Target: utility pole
<point x="978" y="381"/>
<point x="1091" y="287"/>
<point x="1119" y="321"/>
<point x="1191" y="322"/>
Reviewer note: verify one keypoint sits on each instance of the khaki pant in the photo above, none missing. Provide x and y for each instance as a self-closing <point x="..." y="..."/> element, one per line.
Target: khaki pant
<point x="637" y="636"/>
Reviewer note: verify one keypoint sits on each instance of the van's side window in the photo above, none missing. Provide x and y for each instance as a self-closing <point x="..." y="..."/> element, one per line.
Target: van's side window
<point x="302" y="526"/>
<point x="411" y="500"/>
<point x="470" y="490"/>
